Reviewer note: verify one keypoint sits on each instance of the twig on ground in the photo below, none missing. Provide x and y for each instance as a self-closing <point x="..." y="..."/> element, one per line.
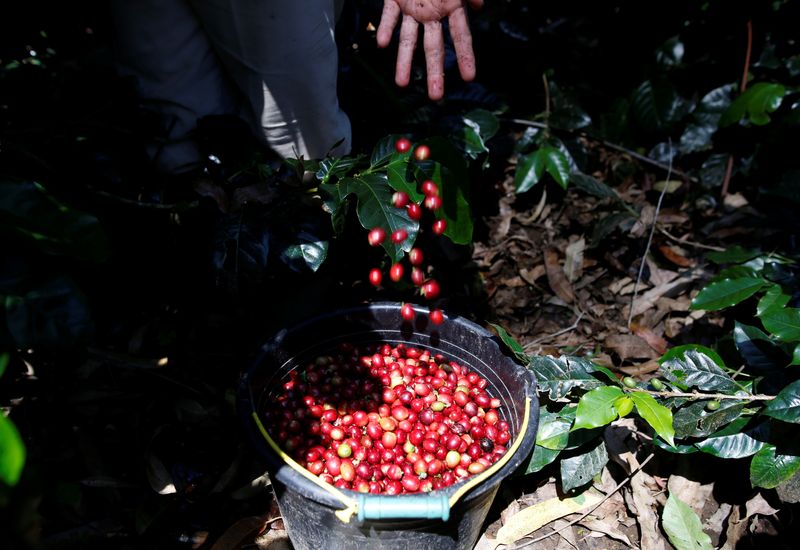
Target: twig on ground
<point x="650" y="238"/>
<point x="619" y="486"/>
<point x="572" y="327"/>
<point x="670" y="236"/>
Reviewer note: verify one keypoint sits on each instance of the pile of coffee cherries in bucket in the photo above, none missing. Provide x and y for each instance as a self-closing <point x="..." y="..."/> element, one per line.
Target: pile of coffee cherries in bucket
<point x="387" y="419"/>
<point x="429" y="287"/>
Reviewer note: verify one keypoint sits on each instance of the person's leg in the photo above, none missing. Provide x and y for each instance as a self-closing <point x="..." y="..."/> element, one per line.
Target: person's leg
<point x="282" y="54"/>
<point x="162" y="44"/>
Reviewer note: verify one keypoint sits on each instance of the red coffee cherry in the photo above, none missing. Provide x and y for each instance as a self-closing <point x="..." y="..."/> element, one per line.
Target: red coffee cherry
<point x="375" y="277"/>
<point x="417" y="276"/>
<point x="396" y="272"/>
<point x="402" y="145"/>
<point x="433" y="202"/>
<point x="376" y="236"/>
<point x="415" y="256"/>
<point x="439" y="227"/>
<point x="436" y="316"/>
<point x="422" y="152"/>
<point x="414" y="211"/>
<point x="399" y="199"/>
<point x="399" y="235"/>
<point x="407" y="312"/>
<point x="430" y="289"/>
<point x="430" y="189"/>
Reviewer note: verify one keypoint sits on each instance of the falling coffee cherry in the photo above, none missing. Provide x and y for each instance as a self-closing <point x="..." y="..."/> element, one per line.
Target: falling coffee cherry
<point x="430" y="289"/>
<point x="436" y="316"/>
<point x="422" y="152"/>
<point x="402" y="145"/>
<point x="375" y="277"/>
<point x="396" y="272"/>
<point x="407" y="312"/>
<point x="433" y="202"/>
<point x="439" y="227"/>
<point x="376" y="236"/>
<point x="399" y="235"/>
<point x="414" y="211"/>
<point x="399" y="199"/>
<point x="415" y="256"/>
<point x="430" y="189"/>
<point x="417" y="276"/>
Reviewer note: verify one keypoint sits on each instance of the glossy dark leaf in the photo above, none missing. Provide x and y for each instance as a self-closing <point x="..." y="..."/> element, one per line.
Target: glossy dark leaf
<point x="49" y="225"/>
<point x="553" y="431"/>
<point x="557" y="376"/>
<point x="241" y="248"/>
<point x="736" y="444"/>
<point x="726" y="293"/>
<point x="577" y="471"/>
<point x="55" y="314"/>
<point x="678" y="449"/>
<point x="479" y="127"/>
<point x="605" y="226"/>
<point x="732" y="255"/>
<point x="557" y="164"/>
<point x="783" y="323"/>
<point x="769" y="469"/>
<point x="335" y="168"/>
<point x="384" y="150"/>
<point x="12" y="452"/>
<point x="713" y="105"/>
<point x="375" y="209"/>
<point x="450" y="168"/>
<point x="657" y="107"/>
<point x="696" y="138"/>
<point x="692" y="366"/>
<point x="755" y="104"/>
<point x="511" y="343"/>
<point x="693" y="420"/>
<point x="5" y="357"/>
<point x="593" y="186"/>
<point x="712" y="172"/>
<point x="530" y="168"/>
<point x="757" y="349"/>
<point x="786" y="405"/>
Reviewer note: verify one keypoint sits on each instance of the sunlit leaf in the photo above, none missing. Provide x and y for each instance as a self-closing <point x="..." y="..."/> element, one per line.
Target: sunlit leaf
<point x="755" y="104"/>
<point x="658" y="416"/>
<point x="579" y="470"/>
<point x="726" y="293"/>
<point x="12" y="452"/>
<point x="596" y="407"/>
<point x="553" y="431"/>
<point x="541" y="458"/>
<point x="511" y="343"/>
<point x="769" y="469"/>
<point x="308" y="252"/>
<point x="773" y="298"/>
<point x="683" y="526"/>
<point x="694" y="366"/>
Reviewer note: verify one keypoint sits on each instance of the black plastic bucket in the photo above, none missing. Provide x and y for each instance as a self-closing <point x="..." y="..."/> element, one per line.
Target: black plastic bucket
<point x="319" y="516"/>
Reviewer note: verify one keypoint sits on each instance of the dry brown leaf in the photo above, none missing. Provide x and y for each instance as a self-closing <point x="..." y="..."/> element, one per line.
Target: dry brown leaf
<point x="736" y="529"/>
<point x="672" y="254"/>
<point x="607" y="528"/>
<point x="691" y="492"/>
<point x="513" y="282"/>
<point x="759" y="505"/>
<point x="556" y="278"/>
<point x="573" y="261"/>
<point x="659" y="276"/>
<point x="243" y="530"/>
<point x="630" y="346"/>
<point x="640" y="369"/>
<point x="713" y="525"/>
<point x="655" y="341"/>
<point x="648" y="299"/>
<point x="646" y="218"/>
<point x="530" y="275"/>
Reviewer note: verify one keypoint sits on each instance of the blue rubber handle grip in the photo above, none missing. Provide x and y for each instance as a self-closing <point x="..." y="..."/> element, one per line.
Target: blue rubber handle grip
<point x="421" y="506"/>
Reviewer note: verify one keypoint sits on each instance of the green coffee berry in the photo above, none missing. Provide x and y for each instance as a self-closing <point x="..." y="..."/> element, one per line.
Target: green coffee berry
<point x="629" y="382"/>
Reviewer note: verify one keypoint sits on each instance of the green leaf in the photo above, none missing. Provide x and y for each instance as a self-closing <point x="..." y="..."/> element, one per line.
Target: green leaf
<point x="12" y="452"/>
<point x="786" y="405"/>
<point x="577" y="471"/>
<point x="401" y="178"/>
<point x="796" y="356"/>
<point x="683" y="527"/>
<point x="375" y="209"/>
<point x="385" y="149"/>
<point x="593" y="186"/>
<point x="450" y="168"/>
<point x="335" y="167"/>
<point x="693" y="366"/>
<point x="511" y="343"/>
<point x="557" y="165"/>
<point x="479" y="127"/>
<point x="693" y="420"/>
<point x="773" y="298"/>
<point x="783" y="323"/>
<point x="735" y="445"/>
<point x="678" y="449"/>
<point x="757" y="349"/>
<point x="530" y="168"/>
<point x="712" y="172"/>
<point x="309" y="251"/>
<point x="732" y="255"/>
<point x="4" y="359"/>
<point x="596" y="408"/>
<point x="755" y="104"/>
<point x="553" y="432"/>
<point x="657" y="106"/>
<point x="541" y="457"/>
<point x="726" y="293"/>
<point x="558" y="376"/>
<point x="658" y="416"/>
<point x="769" y="469"/>
<point x="50" y="225"/>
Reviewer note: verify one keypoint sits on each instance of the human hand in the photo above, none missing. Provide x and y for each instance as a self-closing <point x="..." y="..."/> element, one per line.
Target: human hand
<point x="429" y="14"/>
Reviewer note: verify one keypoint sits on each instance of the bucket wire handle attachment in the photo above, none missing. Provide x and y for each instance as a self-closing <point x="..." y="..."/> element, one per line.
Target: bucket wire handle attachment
<point x="417" y="506"/>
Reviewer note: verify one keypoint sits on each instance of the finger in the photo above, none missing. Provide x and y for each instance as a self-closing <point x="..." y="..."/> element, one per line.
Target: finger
<point x="389" y="18"/>
<point x="405" y="50"/>
<point x="462" y="41"/>
<point x="433" y="41"/>
<point x="475" y="4"/>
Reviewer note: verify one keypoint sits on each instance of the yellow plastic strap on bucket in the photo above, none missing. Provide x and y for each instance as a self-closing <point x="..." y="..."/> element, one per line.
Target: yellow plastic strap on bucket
<point x="351" y="504"/>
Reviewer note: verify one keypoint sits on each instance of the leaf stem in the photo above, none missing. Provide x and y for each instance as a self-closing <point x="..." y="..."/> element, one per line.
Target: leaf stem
<point x="699" y="395"/>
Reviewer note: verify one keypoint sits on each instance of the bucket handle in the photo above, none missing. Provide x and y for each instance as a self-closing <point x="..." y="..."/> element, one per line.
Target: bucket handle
<point x="422" y="506"/>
